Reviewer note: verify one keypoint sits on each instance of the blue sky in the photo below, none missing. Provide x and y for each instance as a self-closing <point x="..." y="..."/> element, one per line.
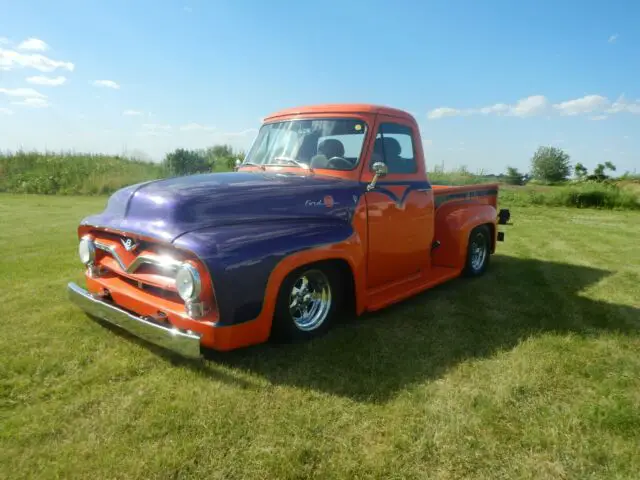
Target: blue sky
<point x="488" y="81"/>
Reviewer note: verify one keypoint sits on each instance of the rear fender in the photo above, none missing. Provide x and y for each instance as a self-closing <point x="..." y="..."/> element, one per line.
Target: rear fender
<point x="453" y="224"/>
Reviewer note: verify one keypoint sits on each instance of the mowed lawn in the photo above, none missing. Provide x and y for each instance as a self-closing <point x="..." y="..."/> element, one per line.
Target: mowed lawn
<point x="532" y="371"/>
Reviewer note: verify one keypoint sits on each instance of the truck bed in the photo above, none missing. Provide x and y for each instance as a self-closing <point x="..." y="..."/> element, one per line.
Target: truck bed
<point x="486" y="193"/>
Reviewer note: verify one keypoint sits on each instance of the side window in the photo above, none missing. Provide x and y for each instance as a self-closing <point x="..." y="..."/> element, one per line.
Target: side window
<point x="394" y="146"/>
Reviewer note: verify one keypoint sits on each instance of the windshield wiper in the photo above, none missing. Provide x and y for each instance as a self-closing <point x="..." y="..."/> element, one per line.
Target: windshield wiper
<point x="294" y="161"/>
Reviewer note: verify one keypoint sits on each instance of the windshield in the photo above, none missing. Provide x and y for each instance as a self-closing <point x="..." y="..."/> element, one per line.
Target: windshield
<point x="333" y="144"/>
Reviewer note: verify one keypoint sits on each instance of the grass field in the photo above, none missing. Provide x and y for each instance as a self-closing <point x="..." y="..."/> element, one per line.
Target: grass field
<point x="532" y="371"/>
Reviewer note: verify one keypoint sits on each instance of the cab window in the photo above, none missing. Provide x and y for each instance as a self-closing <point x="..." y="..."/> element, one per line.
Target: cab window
<point x="394" y="147"/>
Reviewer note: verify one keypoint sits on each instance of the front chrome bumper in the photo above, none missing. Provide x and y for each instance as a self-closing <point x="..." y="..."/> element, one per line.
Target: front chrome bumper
<point x="186" y="344"/>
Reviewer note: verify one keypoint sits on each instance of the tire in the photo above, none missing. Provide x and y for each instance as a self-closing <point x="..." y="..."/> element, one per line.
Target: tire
<point x="298" y="315"/>
<point x="478" y="251"/>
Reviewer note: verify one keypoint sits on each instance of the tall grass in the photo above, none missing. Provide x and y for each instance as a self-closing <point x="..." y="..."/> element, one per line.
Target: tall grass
<point x="459" y="176"/>
<point x="68" y="173"/>
<point x="580" y="195"/>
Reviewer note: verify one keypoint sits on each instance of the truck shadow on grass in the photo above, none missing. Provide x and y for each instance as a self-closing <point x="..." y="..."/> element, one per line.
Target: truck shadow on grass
<point x="375" y="356"/>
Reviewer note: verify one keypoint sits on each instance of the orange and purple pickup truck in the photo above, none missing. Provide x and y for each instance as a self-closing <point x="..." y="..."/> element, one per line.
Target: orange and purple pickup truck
<point x="331" y="210"/>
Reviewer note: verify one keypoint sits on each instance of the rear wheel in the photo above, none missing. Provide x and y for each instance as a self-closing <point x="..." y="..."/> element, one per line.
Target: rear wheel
<point x="478" y="251"/>
<point x="308" y="302"/>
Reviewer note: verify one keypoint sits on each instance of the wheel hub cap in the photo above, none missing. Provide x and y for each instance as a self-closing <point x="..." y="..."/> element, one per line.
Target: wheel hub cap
<point x="310" y="300"/>
<point x="478" y="252"/>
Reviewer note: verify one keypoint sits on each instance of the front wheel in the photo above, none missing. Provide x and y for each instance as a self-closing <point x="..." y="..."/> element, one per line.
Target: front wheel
<point x="308" y="302"/>
<point x="478" y="251"/>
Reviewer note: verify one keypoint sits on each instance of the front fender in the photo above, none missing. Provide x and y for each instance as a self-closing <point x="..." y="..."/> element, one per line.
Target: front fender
<point x="453" y="225"/>
<point x="243" y="259"/>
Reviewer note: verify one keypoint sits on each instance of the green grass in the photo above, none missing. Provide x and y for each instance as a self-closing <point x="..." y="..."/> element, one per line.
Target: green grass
<point x="532" y="371"/>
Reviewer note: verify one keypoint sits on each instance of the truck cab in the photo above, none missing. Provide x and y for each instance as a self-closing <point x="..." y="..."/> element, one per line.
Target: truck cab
<point x="332" y="206"/>
<point x="414" y="231"/>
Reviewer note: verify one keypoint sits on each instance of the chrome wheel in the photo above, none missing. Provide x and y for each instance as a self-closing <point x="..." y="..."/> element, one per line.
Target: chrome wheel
<point x="310" y="300"/>
<point x="478" y="251"/>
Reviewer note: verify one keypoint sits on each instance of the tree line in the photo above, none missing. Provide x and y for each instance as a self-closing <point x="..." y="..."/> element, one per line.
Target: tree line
<point x="552" y="165"/>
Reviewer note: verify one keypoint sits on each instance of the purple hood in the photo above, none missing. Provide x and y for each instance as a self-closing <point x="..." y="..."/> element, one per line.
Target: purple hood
<point x="167" y="209"/>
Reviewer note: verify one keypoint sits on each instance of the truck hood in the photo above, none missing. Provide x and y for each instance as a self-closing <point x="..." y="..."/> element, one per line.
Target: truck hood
<point x="166" y="209"/>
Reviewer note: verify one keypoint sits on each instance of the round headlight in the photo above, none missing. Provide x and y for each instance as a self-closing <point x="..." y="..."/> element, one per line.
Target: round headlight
<point x="188" y="282"/>
<point x="87" y="250"/>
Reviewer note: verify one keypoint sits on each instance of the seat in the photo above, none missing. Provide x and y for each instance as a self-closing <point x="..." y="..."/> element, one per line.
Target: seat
<point x="327" y="149"/>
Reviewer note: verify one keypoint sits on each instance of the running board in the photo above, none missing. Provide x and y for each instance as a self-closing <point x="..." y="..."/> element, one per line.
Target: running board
<point x="380" y="298"/>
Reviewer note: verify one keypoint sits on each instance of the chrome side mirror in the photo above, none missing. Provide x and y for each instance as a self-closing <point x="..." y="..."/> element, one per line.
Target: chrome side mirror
<point x="380" y="170"/>
<point x="238" y="163"/>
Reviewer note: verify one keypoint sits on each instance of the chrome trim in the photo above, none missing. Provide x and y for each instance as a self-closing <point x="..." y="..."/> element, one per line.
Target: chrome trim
<point x="163" y="262"/>
<point x="185" y="343"/>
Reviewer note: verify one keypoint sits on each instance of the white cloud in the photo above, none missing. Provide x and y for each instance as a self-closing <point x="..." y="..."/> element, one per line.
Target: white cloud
<point x="197" y="127"/>
<point x="6" y="111"/>
<point x="586" y="104"/>
<point x="613" y="38"/>
<point x="131" y="113"/>
<point x="48" y="81"/>
<point x="4" y="40"/>
<point x="155" y="130"/>
<point x="33" y="103"/>
<point x="443" y="112"/>
<point x="156" y="126"/>
<point x="34" y="44"/>
<point x="22" y="92"/>
<point x="28" y="97"/>
<point x="248" y="131"/>
<point x="10" y="59"/>
<point x="528" y="106"/>
<point x="498" y="108"/>
<point x="596" y="105"/>
<point x="106" y="84"/>
<point x="623" y="105"/>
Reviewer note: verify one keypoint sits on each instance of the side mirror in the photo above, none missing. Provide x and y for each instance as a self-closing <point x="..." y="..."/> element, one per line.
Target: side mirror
<point x="380" y="170"/>
<point x="238" y="163"/>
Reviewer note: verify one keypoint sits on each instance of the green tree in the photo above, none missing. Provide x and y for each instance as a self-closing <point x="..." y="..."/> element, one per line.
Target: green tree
<point x="222" y="157"/>
<point x="513" y="176"/>
<point x="550" y="164"/>
<point x="599" y="171"/>
<point x="185" y="162"/>
<point x="580" y="170"/>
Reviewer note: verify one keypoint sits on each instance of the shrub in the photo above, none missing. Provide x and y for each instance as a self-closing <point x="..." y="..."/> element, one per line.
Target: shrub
<point x="550" y="164"/>
<point x="513" y="177"/>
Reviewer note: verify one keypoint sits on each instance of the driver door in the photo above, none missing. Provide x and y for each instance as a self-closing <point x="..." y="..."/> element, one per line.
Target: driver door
<point x="399" y="208"/>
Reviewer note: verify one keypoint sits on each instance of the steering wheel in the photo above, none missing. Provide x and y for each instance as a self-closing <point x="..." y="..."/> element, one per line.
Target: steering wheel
<point x="339" y="163"/>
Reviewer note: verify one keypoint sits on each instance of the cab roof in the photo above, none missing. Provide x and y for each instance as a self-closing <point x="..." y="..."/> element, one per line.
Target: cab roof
<point x="341" y="108"/>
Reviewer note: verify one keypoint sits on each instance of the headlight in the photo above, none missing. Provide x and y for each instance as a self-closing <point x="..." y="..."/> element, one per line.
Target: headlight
<point x="87" y="250"/>
<point x="188" y="282"/>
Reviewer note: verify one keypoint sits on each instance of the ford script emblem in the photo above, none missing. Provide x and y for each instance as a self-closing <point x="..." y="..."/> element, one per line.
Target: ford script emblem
<point x="128" y="244"/>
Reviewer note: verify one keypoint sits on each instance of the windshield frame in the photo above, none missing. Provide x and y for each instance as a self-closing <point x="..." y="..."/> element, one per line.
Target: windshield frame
<point x="365" y="120"/>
